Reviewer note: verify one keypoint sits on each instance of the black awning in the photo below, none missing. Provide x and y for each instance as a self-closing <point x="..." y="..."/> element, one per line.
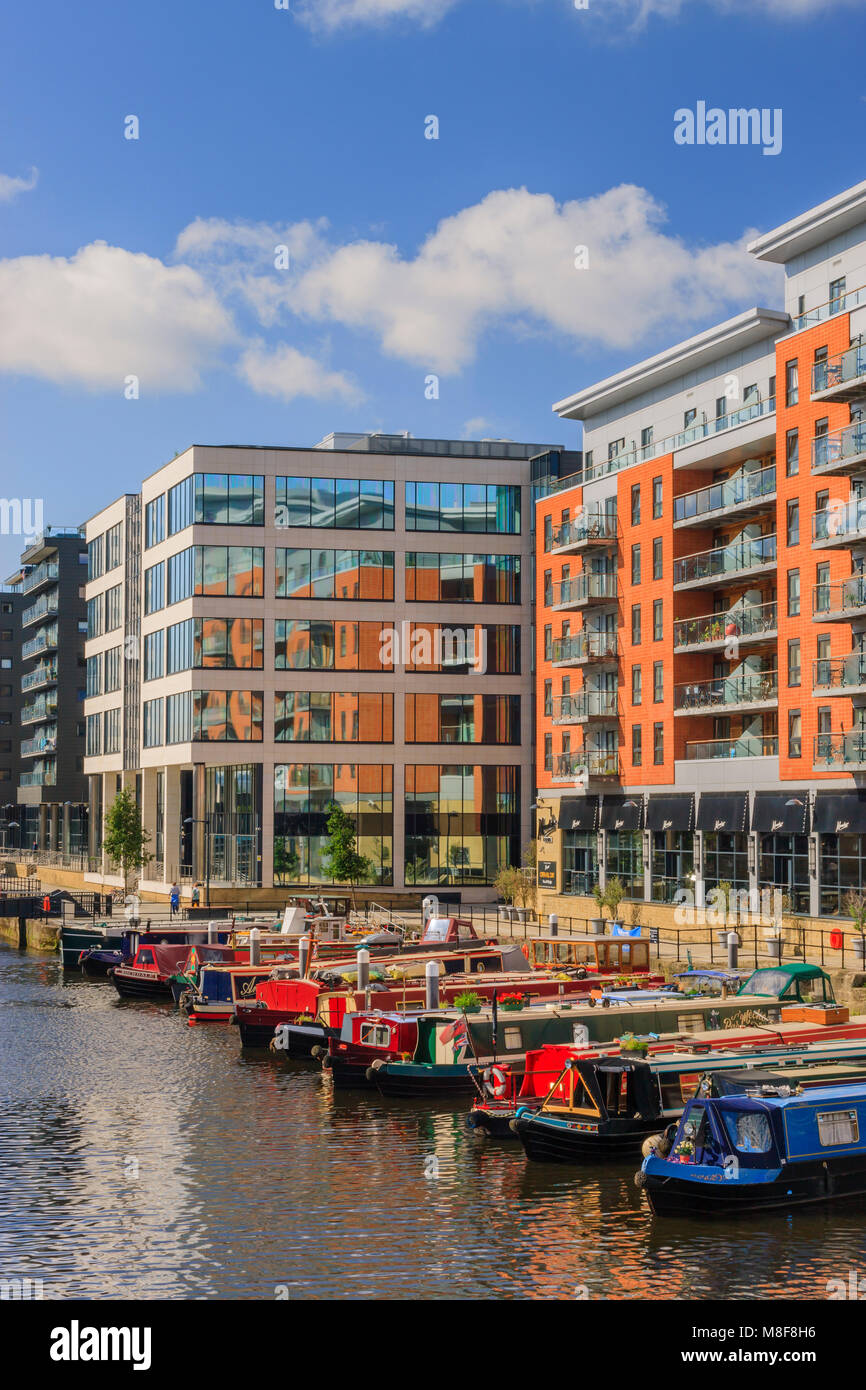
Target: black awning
<point x="621" y="812"/>
<point x="781" y="813"/>
<point x="671" y="812"/>
<point x="840" y="813"/>
<point x="727" y="812"/>
<point x="578" y="813"/>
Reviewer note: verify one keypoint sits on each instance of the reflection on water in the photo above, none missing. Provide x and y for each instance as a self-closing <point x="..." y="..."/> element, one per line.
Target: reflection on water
<point x="143" y="1158"/>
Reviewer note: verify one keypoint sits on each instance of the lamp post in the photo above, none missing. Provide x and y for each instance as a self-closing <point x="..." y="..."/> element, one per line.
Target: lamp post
<point x="205" y="821"/>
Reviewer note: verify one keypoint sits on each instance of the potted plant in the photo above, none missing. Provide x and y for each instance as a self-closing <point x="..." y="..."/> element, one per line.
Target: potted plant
<point x="511" y="1003"/>
<point x="629" y="1043"/>
<point x="855" y="906"/>
<point x="614" y="894"/>
<point x="469" y="1002"/>
<point x="506" y="887"/>
<point x="596" y="924"/>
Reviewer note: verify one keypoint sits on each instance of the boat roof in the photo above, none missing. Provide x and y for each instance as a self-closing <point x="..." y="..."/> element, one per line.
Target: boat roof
<point x="713" y="974"/>
<point x="816" y="1095"/>
<point x="801" y="968"/>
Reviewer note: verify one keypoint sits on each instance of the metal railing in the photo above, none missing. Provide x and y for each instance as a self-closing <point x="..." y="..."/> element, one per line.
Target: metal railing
<point x="42" y="743"/>
<point x="43" y="708"/>
<point x="42" y="777"/>
<point x="839" y="598"/>
<point x="840" y="447"/>
<point x="748" y="688"/>
<point x="586" y="646"/>
<point x="843" y="521"/>
<point x="40" y="643"/>
<point x="846" y="366"/>
<point x="45" y="674"/>
<point x="585" y="704"/>
<point x="756" y="620"/>
<point x="42" y="574"/>
<point x="840" y="750"/>
<point x="586" y="527"/>
<point x="588" y="762"/>
<point x="40" y="609"/>
<point x="839" y="672"/>
<point x="743" y="554"/>
<point x="583" y="588"/>
<point x="749" y="746"/>
<point x="847" y="300"/>
<point x="743" y="487"/>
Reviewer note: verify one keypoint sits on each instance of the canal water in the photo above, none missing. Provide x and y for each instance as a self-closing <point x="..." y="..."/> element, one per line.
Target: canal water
<point x="142" y="1158"/>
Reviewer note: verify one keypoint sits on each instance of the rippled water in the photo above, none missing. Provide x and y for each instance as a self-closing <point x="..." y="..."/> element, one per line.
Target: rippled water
<point x="141" y="1158"/>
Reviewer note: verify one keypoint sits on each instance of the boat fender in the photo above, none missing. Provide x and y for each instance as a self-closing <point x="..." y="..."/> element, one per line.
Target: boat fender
<point x="512" y="1125"/>
<point x="316" y="1051"/>
<point x="658" y="1144"/>
<point x="580" y="973"/>
<point x="591" y="1002"/>
<point x="378" y="1064"/>
<point x="326" y="1059"/>
<point x="640" y="1178"/>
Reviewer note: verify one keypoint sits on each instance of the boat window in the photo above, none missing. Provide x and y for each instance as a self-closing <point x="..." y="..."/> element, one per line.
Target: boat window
<point x="749" y="1131"/>
<point x="838" y="1127"/>
<point x="813" y="991"/>
<point x="374" y="1035"/>
<point x="768" y="982"/>
<point x="691" y="1023"/>
<point x="464" y="931"/>
<point x="145" y="957"/>
<point x="513" y="1040"/>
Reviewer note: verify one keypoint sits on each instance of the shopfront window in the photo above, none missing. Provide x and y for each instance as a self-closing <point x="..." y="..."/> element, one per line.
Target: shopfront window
<point x="579" y="862"/>
<point x="462" y="823"/>
<point x="625" y="860"/>
<point x="303" y="796"/>
<point x="673" y="863"/>
<point x="783" y="864"/>
<point x="725" y="860"/>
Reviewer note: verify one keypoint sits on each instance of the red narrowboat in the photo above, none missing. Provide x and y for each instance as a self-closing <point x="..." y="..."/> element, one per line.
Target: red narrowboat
<point x="148" y="975"/>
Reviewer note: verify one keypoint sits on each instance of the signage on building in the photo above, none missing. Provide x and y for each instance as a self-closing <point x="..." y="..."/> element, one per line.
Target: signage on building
<point x="547" y="873"/>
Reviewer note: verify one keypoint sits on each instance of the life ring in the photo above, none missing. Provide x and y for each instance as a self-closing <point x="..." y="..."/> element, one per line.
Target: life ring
<point x="836" y="940"/>
<point x="525" y="949"/>
<point x="495" y="1082"/>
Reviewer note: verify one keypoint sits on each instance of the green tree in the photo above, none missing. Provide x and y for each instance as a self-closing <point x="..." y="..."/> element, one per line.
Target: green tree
<point x="341" y="858"/>
<point x="125" y="839"/>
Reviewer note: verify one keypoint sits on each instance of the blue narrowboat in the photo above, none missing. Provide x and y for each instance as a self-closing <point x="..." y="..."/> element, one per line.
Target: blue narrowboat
<point x="769" y="1147"/>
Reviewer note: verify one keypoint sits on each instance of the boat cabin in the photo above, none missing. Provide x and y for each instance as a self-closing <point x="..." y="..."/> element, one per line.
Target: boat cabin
<point x="448" y="931"/>
<point x="797" y="982"/>
<point x="604" y="955"/>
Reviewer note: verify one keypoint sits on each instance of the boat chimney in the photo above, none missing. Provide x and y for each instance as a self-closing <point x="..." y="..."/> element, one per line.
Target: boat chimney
<point x="553" y="924"/>
<point x="303" y="956"/>
<point x="211" y="933"/>
<point x="733" y="943"/>
<point x="431" y="981"/>
<point x="363" y="969"/>
<point x="255" y="949"/>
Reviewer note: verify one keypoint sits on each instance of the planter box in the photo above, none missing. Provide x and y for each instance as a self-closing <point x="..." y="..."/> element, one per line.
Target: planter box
<point x="815" y="1013"/>
<point x="596" y="926"/>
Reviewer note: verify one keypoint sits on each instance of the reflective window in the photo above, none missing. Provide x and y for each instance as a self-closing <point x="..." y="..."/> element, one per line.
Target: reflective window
<point x="96" y="558"/>
<point x="437" y="578"/>
<point x="180" y="575"/>
<point x="434" y="718"/>
<point x="304" y="644"/>
<point x="229" y="499"/>
<point x="154" y="588"/>
<point x="234" y="571"/>
<point x="154" y="521"/>
<point x="152" y="723"/>
<point x="154" y="655"/>
<point x="233" y="716"/>
<point x="303" y="796"/>
<point x="486" y="507"/>
<point x="462" y="823"/>
<point x="180" y="506"/>
<point x="309" y="716"/>
<point x="349" y="574"/>
<point x="113" y="546"/>
<point x="478" y="648"/>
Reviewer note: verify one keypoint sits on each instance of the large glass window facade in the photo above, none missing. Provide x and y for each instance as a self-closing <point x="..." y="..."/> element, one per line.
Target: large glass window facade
<point x="349" y="504"/>
<point x="783" y="863"/>
<point x="303" y="795"/>
<point x="154" y="588"/>
<point x="233" y="571"/>
<point x="350" y="574"/>
<point x="481" y="648"/>
<point x="233" y="818"/>
<point x="579" y="862"/>
<point x="435" y="578"/>
<point x="462" y="823"/>
<point x="154" y="521"/>
<point x="725" y="860"/>
<point x="328" y="716"/>
<point x="434" y="718"/>
<point x="625" y="860"/>
<point x="493" y="508"/>
<point x="304" y="644"/>
<point x="228" y="644"/>
<point x="96" y="557"/>
<point x="673" y="863"/>
<point x="843" y="870"/>
<point x="153" y="723"/>
<point x="227" y="716"/>
<point x="229" y="499"/>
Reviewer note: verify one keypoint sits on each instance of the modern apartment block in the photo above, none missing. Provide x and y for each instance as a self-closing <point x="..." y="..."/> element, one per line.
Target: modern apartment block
<point x="271" y="630"/>
<point x="701" y="595"/>
<point x="49" y="813"/>
<point x="11" y="603"/>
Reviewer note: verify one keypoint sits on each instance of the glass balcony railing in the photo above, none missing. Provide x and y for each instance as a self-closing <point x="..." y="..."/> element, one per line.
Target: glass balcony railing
<point x="42" y="574"/>
<point x="753" y="687"/>
<point x="587" y="528"/>
<point x="46" y="674"/>
<point x="840" y="521"/>
<point x="748" y="746"/>
<point x="756" y="620"/>
<point x="39" y="777"/>
<point x="585" y="646"/>
<point x="839" y="449"/>
<point x="43" y="708"/>
<point x="847" y="300"/>
<point x="44" y="742"/>
<point x="583" y="588"/>
<point x="850" y="595"/>
<point x="839" y="672"/>
<point x="42" y="642"/>
<point x="586" y="763"/>
<point x="726" y="560"/>
<point x="840" y="750"/>
<point x="836" y="371"/>
<point x="40" y="609"/>
<point x="744" y="487"/>
<point x="585" y="704"/>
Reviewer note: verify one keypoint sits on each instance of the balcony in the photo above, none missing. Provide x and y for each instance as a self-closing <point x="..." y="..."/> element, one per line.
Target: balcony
<point x="44" y="742"/>
<point x="584" y="706"/>
<point x="589" y="530"/>
<point x="755" y="623"/>
<point x="44" y="641"/>
<point x="39" y="777"/>
<point x="586" y="648"/>
<point x="48" y="573"/>
<point x="726" y="564"/>
<point x="747" y="746"/>
<point x="46" y="674"/>
<point x="746" y="493"/>
<point x="41" y="609"/>
<point x="839" y="603"/>
<point x="843" y="451"/>
<point x="839" y="675"/>
<point x="840" y="524"/>
<point x="842" y="752"/>
<point x="587" y="765"/>
<point x="841" y="378"/>
<point x="839" y="304"/>
<point x="43" y="708"/>
<point x="748" y="691"/>
<point x="583" y="591"/>
<point x="693" y="434"/>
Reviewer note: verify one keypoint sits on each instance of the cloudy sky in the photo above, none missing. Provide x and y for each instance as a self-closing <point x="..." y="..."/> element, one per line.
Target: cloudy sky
<point x="282" y="252"/>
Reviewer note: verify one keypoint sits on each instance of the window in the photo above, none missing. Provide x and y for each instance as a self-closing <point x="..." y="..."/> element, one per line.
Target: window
<point x="657" y="558"/>
<point x="345" y="503"/>
<point x="689" y="417"/>
<point x="792" y="382"/>
<point x="93" y="737"/>
<point x="658" y="744"/>
<point x="96" y="558"/>
<point x="178" y="717"/>
<point x="721" y="411"/>
<point x="635" y="564"/>
<point x="636" y="745"/>
<point x="615" y="448"/>
<point x="548" y="698"/>
<point x="793" y="593"/>
<point x="657" y="498"/>
<point x="793" y="523"/>
<point x="154" y="522"/>
<point x="154" y="655"/>
<point x="837" y="295"/>
<point x="646" y="437"/>
<point x="227" y="716"/>
<point x="179" y="647"/>
<point x="324" y="716"/>
<point x="233" y="571"/>
<point x="548" y="534"/>
<point x="113" y="546"/>
<point x="794" y="734"/>
<point x="454" y="578"/>
<point x="111" y="731"/>
<point x="548" y="588"/>
<point x="792" y="453"/>
<point x="636" y="691"/>
<point x="228" y="644"/>
<point x="230" y="499"/>
<point x="484" y="507"/>
<point x="95" y="616"/>
<point x="153" y="717"/>
<point x="489" y="719"/>
<point x="794" y="661"/>
<point x="658" y="682"/>
<point x="113" y="608"/>
<point x="180" y="506"/>
<point x="548" y="752"/>
<point x="548" y="642"/>
<point x="658" y="616"/>
<point x="154" y="588"/>
<point x="635" y="625"/>
<point x="94" y="675"/>
<point x="180" y="574"/>
<point x="837" y="1126"/>
<point x="635" y="504"/>
<point x="821" y="601"/>
<point x="825" y="722"/>
<point x="112" y="670"/>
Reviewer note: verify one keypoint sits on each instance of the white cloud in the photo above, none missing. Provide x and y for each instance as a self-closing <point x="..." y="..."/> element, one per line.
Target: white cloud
<point x="286" y="373"/>
<point x="106" y="313"/>
<point x="331" y="15"/>
<point x="10" y="186"/>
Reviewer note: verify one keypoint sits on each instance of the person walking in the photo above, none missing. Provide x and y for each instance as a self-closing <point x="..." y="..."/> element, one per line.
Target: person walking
<point x="196" y="894"/>
<point x="174" y="898"/>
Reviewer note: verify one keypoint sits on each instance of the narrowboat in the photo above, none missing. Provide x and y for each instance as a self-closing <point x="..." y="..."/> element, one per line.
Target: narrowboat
<point x="606" y="1107"/>
<point x="220" y="988"/>
<point x="148" y="974"/>
<point x="125" y="939"/>
<point x="770" y="1148"/>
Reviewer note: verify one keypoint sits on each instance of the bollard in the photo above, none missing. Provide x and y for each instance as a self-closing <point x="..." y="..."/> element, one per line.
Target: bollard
<point x="255" y="951"/>
<point x="733" y="944"/>
<point x="363" y="969"/>
<point x="431" y="980"/>
<point x="303" y="956"/>
<point x="211" y="933"/>
<point x="553" y="924"/>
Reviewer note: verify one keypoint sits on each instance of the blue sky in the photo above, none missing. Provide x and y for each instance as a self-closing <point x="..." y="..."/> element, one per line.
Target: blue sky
<point x="261" y="127"/>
